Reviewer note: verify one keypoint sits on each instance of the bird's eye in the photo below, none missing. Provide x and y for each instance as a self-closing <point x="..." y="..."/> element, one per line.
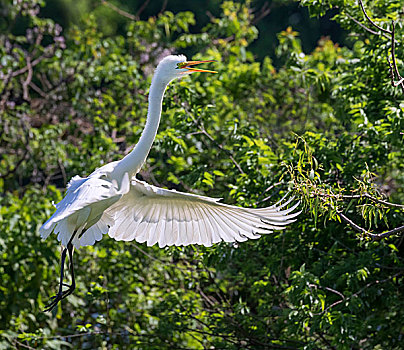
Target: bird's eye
<point x="181" y="65"/>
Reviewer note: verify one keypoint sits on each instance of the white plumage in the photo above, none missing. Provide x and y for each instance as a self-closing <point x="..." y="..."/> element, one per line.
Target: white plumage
<point x="82" y="209"/>
<point x="111" y="199"/>
<point x="154" y="215"/>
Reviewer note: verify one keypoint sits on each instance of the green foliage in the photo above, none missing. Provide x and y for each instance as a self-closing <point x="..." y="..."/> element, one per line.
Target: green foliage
<point x="327" y="125"/>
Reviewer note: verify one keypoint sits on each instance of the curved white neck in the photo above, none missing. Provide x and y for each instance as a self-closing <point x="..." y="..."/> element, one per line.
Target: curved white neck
<point x="132" y="163"/>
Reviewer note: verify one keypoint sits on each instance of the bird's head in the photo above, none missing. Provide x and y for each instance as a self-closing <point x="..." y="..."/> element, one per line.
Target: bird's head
<point x="174" y="67"/>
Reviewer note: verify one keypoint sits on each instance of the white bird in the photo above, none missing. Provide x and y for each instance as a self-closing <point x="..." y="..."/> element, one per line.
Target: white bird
<point x="111" y="200"/>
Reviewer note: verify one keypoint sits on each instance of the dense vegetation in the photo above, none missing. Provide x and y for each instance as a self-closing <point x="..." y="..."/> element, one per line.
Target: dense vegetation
<point x="327" y="125"/>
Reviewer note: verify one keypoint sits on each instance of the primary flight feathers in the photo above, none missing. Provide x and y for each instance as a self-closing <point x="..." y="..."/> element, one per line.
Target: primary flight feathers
<point x="154" y="215"/>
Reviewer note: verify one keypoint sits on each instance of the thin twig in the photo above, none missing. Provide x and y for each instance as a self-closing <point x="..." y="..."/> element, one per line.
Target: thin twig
<point x="371" y="22"/>
<point x="68" y="336"/>
<point x="23" y="345"/>
<point x="386" y="33"/>
<point x="374" y="199"/>
<point x="144" y="5"/>
<point x="262" y="13"/>
<point x="393" y="55"/>
<point x="44" y="80"/>
<point x="329" y="289"/>
<point x="350" y="222"/>
<point x="358" y="292"/>
<point x="37" y="89"/>
<point x="271" y="195"/>
<point x="361" y="25"/>
<point x="386" y="234"/>
<point x="62" y="169"/>
<point x="358" y="196"/>
<point x="343" y="298"/>
<point x="163" y="7"/>
<point x="374" y="282"/>
<point x="26" y="82"/>
<point x="397" y="83"/>
<point x="374" y="236"/>
<point x="32" y="64"/>
<point x="219" y="291"/>
<point x="222" y="149"/>
<point x="118" y="10"/>
<point x="323" y="338"/>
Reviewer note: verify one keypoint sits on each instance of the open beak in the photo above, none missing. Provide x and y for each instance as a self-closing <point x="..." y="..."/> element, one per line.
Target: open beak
<point x="193" y="63"/>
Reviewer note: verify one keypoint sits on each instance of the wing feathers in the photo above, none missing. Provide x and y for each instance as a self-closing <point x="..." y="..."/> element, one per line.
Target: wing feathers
<point x="82" y="208"/>
<point x="214" y="230"/>
<point x="211" y="230"/>
<point x="220" y="222"/>
<point x="228" y="228"/>
<point x="188" y="224"/>
<point x="155" y="215"/>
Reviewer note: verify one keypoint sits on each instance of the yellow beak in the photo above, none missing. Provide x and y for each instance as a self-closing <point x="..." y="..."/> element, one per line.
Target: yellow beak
<point x="186" y="65"/>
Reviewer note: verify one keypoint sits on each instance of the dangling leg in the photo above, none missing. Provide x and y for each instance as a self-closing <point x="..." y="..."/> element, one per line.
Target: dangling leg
<point x="63" y="294"/>
<point x="52" y="304"/>
<point x="72" y="287"/>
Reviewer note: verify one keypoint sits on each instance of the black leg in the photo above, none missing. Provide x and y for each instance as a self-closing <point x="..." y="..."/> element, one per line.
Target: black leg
<point x="72" y="287"/>
<point x="63" y="294"/>
<point x="62" y="265"/>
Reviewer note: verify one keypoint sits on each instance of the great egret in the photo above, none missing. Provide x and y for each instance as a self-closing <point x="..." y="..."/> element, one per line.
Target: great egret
<point x="111" y="200"/>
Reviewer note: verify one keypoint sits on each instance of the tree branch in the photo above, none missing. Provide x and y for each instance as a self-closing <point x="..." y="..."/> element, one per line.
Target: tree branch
<point x="374" y="199"/>
<point x="118" y="10"/>
<point x="141" y="9"/>
<point x="397" y="83"/>
<point x="371" y="22"/>
<point x="343" y="298"/>
<point x="262" y="13"/>
<point x="26" y="82"/>
<point x="357" y="196"/>
<point x="373" y="236"/>
<point x="374" y="282"/>
<point x="32" y="64"/>
<point x="394" y="72"/>
<point x="361" y="25"/>
<point x="16" y="342"/>
<point x="393" y="57"/>
<point x="271" y="195"/>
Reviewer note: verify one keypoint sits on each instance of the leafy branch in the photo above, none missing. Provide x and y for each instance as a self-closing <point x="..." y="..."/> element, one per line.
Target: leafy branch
<point x="331" y="202"/>
<point x="396" y="78"/>
<point x="373" y="236"/>
<point x="322" y="199"/>
<point x="343" y="298"/>
<point x="372" y="22"/>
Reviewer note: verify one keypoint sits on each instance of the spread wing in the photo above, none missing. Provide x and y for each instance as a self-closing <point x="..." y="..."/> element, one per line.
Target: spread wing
<point x="168" y="217"/>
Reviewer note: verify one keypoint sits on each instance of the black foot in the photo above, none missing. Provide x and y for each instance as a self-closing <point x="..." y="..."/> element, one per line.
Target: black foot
<point x="58" y="297"/>
<point x="63" y="294"/>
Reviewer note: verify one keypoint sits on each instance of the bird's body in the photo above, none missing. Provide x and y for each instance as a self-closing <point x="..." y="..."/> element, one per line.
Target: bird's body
<point x="111" y="200"/>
